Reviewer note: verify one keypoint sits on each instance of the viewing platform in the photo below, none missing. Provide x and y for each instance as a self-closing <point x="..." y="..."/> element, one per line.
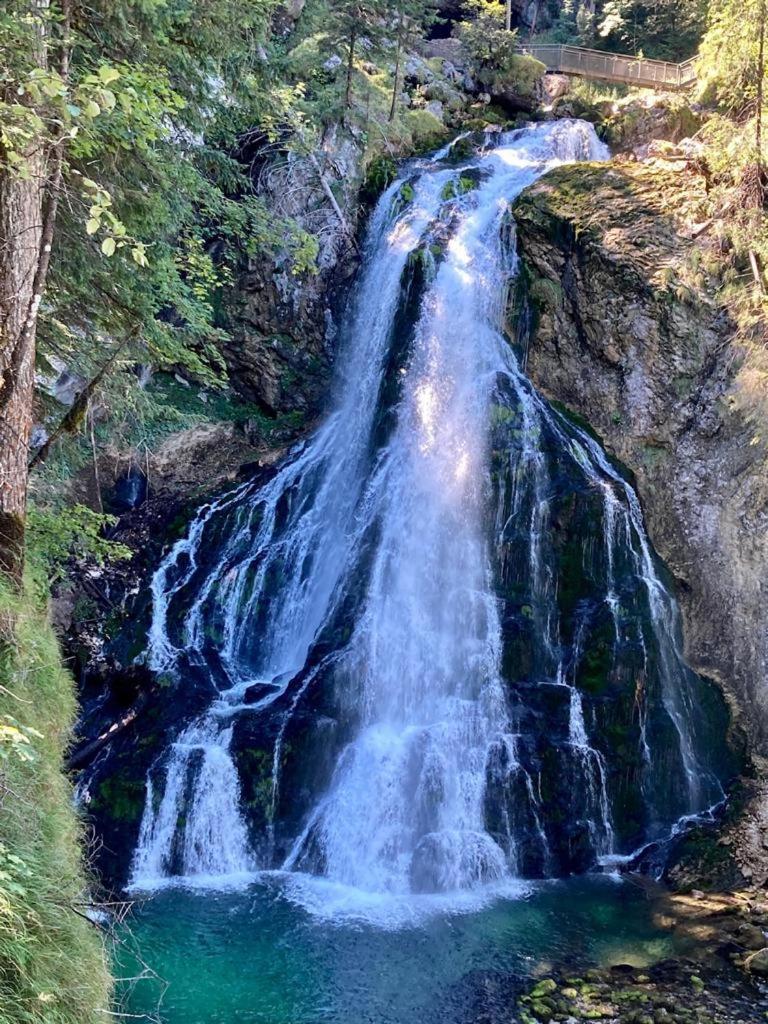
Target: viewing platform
<point x="613" y="67"/>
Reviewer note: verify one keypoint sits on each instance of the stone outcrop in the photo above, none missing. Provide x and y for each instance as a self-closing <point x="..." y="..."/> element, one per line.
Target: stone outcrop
<point x="631" y="333"/>
<point x="283" y="326"/>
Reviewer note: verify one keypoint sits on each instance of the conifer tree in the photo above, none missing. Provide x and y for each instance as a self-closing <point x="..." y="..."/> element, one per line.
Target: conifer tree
<point x="665" y="29"/>
<point x="357" y="23"/>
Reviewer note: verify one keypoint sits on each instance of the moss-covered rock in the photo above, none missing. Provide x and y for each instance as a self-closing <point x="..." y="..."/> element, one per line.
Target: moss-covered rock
<point x="427" y="131"/>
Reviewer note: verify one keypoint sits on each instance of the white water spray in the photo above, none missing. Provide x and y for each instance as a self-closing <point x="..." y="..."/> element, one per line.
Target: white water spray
<point x="436" y="750"/>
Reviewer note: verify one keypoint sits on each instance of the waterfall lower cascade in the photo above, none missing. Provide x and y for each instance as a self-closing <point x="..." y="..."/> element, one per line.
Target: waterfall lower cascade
<point x="438" y="648"/>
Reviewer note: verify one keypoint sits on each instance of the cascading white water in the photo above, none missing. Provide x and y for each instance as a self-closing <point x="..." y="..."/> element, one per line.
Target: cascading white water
<point x="322" y="485"/>
<point x="435" y="737"/>
<point x="405" y="811"/>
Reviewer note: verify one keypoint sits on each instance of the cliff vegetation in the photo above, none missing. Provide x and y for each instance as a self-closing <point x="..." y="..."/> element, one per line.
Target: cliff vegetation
<point x="52" y="960"/>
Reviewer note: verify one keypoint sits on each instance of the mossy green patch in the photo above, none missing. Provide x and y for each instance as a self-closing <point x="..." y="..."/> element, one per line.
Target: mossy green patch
<point x="426" y="130"/>
<point x="52" y="960"/>
<point x="546" y="294"/>
<point x="122" y="798"/>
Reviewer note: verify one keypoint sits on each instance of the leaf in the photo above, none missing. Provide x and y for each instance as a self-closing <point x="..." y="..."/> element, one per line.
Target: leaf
<point x="52" y="88"/>
<point x="92" y="226"/>
<point x="108" y="74"/>
<point x="108" y="246"/>
<point x="74" y="110"/>
<point x="92" y="108"/>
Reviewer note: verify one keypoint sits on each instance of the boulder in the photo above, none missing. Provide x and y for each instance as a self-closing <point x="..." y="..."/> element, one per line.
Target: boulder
<point x="554" y="86"/>
<point x="435" y="108"/>
<point x="757" y="963"/>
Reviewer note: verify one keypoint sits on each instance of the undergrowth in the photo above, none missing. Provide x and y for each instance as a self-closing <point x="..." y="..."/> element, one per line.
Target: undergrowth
<point x="52" y="960"/>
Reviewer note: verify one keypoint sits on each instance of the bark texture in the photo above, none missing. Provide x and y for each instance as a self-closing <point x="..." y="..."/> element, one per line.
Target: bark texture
<point x="21" y="235"/>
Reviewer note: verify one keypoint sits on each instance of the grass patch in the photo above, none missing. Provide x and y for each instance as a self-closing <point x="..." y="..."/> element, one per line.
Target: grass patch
<point x="53" y="966"/>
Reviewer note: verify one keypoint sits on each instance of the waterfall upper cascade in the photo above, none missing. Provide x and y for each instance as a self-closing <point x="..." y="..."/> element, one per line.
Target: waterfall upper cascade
<point x="439" y="649"/>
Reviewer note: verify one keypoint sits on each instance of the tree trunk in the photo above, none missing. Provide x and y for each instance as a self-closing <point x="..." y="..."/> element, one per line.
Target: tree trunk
<point x="398" y="54"/>
<point x="534" y="21"/>
<point x="21" y="242"/>
<point x="760" y="91"/>
<point x="350" y="66"/>
<point x="28" y="205"/>
<point x="21" y="219"/>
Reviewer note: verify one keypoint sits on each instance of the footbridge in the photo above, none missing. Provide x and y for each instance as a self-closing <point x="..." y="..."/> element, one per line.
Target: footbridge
<point x="613" y="67"/>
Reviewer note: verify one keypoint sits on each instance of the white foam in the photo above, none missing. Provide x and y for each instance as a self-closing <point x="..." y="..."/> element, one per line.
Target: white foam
<point x="340" y="904"/>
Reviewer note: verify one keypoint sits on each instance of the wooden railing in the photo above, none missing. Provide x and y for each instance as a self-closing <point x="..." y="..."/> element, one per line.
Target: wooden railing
<point x="613" y="67"/>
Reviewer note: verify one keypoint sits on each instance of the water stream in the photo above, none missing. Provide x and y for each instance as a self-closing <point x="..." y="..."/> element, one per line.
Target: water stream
<point x="441" y="655"/>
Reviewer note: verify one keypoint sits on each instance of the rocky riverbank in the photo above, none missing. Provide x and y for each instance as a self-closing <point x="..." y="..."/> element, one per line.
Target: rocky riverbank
<point x="719" y="978"/>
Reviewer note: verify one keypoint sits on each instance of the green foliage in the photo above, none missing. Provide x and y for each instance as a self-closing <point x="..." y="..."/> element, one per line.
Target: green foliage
<point x="523" y="74"/>
<point x="158" y="212"/>
<point x="491" y="49"/>
<point x="15" y="742"/>
<point x="740" y="228"/>
<point x="363" y="94"/>
<point x="426" y="130"/>
<point x="490" y="46"/>
<point x="57" y="534"/>
<point x="661" y="29"/>
<point x="380" y="174"/>
<point x="455" y="188"/>
<point x="52" y="962"/>
<point x="728" y="69"/>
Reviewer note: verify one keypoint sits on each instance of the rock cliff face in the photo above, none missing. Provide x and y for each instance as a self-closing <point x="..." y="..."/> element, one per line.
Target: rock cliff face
<point x="630" y="333"/>
<point x="282" y="326"/>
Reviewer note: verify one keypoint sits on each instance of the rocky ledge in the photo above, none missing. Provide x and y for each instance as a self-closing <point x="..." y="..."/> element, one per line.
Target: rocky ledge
<point x="631" y="332"/>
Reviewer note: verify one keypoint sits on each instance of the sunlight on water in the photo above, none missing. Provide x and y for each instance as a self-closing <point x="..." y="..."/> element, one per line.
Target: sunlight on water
<point x="415" y="679"/>
<point x="379" y="586"/>
<point x="280" y="953"/>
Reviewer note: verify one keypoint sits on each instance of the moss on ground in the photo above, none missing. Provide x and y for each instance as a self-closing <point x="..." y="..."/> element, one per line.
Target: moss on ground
<point x="53" y="967"/>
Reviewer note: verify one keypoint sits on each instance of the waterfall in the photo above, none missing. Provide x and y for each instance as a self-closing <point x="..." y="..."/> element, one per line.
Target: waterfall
<point x="403" y="628"/>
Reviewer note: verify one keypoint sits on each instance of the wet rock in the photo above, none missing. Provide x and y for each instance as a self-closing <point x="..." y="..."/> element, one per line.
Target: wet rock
<point x="129" y="491"/>
<point x="61" y="382"/>
<point x="669" y="991"/>
<point x="282" y="326"/>
<point x="631" y="122"/>
<point x="757" y="963"/>
<point x="452" y="50"/>
<point x="652" y="374"/>
<point x="554" y="86"/>
<point x="750" y="936"/>
<point x="543" y="988"/>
